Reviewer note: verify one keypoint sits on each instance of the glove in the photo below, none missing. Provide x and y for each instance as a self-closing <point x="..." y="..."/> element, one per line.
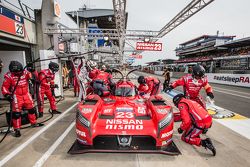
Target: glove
<point x="180" y="130"/>
<point x="8" y="97"/>
<point x="211" y="95"/>
<point x="54" y="86"/>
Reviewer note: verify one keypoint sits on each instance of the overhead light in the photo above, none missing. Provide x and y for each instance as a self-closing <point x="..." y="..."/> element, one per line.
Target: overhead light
<point x="106" y="38"/>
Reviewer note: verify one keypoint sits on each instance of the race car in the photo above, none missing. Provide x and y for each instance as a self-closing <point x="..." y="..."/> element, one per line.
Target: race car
<point x="124" y="122"/>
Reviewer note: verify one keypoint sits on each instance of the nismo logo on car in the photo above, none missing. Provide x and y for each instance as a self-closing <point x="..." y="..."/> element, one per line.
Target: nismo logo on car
<point x="124" y="124"/>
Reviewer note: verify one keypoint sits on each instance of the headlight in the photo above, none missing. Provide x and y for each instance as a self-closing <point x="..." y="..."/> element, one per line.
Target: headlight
<point x="166" y="120"/>
<point x="82" y="119"/>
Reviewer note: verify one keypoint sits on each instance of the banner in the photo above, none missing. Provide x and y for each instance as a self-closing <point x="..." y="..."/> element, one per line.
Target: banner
<point x="149" y="46"/>
<point x="229" y="79"/>
<point x="11" y="22"/>
<point x="136" y="56"/>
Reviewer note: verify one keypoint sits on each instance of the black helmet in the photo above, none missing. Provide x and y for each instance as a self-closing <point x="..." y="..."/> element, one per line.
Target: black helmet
<point x="141" y="80"/>
<point x="15" y="67"/>
<point x="198" y="71"/>
<point x="177" y="99"/>
<point x="30" y="67"/>
<point x="54" y="67"/>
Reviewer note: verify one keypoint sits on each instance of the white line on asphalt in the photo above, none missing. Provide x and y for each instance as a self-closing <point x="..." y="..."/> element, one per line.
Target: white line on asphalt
<point x="46" y="155"/>
<point x="214" y="87"/>
<point x="246" y="97"/>
<point x="22" y="146"/>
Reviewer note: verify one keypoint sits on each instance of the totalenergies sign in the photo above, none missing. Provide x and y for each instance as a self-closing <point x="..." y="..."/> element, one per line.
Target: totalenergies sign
<point x="57" y="9"/>
<point x="149" y="46"/>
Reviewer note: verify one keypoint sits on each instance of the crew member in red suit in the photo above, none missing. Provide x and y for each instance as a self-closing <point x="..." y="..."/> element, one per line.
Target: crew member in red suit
<point x="15" y="88"/>
<point x="192" y="84"/>
<point x="153" y="85"/>
<point x="195" y="121"/>
<point x="94" y="71"/>
<point x="103" y="83"/>
<point x="47" y="86"/>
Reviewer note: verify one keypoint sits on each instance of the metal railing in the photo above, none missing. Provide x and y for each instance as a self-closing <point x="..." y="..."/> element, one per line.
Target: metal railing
<point x="19" y="7"/>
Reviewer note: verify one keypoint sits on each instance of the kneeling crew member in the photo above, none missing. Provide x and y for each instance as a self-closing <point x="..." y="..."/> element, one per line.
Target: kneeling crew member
<point x="17" y="80"/>
<point x="153" y="85"/>
<point x="195" y="121"/>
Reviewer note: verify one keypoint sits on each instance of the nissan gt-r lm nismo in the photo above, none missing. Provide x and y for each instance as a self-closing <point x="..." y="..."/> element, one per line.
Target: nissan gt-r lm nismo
<point x="124" y="122"/>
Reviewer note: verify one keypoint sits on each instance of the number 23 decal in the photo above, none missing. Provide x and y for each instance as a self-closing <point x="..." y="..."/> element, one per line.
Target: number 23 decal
<point x="124" y="115"/>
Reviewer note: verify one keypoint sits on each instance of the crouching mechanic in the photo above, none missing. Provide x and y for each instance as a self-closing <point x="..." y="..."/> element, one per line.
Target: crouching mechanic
<point x="195" y="121"/>
<point x="47" y="86"/>
<point x="148" y="85"/>
<point x="103" y="84"/>
<point x="15" y="88"/>
<point x="192" y="84"/>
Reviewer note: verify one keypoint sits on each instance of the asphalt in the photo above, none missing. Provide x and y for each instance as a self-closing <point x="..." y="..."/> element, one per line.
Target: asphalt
<point x="235" y="99"/>
<point x="232" y="148"/>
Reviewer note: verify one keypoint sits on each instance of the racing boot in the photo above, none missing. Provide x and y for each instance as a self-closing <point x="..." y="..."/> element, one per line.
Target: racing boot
<point x="56" y="112"/>
<point x="40" y="114"/>
<point x="17" y="133"/>
<point x="207" y="143"/>
<point x="36" y="125"/>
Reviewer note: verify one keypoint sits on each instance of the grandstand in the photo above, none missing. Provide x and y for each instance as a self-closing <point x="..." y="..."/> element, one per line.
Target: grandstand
<point x="220" y="54"/>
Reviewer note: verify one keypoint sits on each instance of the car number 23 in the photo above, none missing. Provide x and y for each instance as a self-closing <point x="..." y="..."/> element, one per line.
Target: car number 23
<point x="124" y="115"/>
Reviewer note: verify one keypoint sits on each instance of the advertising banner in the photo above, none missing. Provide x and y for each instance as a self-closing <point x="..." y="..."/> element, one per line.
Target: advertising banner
<point x="136" y="56"/>
<point x="11" y="23"/>
<point x="149" y="46"/>
<point x="230" y="79"/>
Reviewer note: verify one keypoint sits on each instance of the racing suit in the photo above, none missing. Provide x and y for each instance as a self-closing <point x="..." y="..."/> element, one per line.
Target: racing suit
<point x="46" y="78"/>
<point x="191" y="88"/>
<point x="93" y="73"/>
<point x="153" y="86"/>
<point x="195" y="120"/>
<point x="21" y="96"/>
<point x="103" y="82"/>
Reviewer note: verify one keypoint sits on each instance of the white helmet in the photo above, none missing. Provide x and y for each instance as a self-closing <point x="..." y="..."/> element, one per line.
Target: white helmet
<point x="92" y="64"/>
<point x="103" y="66"/>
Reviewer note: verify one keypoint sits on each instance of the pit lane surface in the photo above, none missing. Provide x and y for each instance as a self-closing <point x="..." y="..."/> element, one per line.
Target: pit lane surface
<point x="233" y="98"/>
<point x="45" y="150"/>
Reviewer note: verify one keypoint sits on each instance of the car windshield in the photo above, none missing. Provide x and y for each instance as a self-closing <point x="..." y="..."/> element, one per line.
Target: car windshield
<point x="125" y="91"/>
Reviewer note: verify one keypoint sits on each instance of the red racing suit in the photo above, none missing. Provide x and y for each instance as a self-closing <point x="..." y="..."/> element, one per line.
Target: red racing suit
<point x="153" y="86"/>
<point x="21" y="97"/>
<point x="195" y="119"/>
<point x="46" y="78"/>
<point x="103" y="82"/>
<point x="93" y="73"/>
<point x="192" y="89"/>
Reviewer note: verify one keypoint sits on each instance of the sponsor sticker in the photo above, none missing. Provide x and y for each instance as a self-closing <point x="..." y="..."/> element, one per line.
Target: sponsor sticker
<point x="162" y="110"/>
<point x="141" y="110"/>
<point x="124" y="109"/>
<point x="108" y="110"/>
<point x="87" y="110"/>
<point x="80" y="133"/>
<point x="164" y="135"/>
<point x="124" y="124"/>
